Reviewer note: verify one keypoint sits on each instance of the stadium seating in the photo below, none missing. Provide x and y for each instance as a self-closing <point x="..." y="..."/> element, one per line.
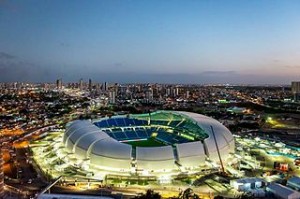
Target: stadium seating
<point x="129" y="122"/>
<point x="141" y="133"/>
<point x="102" y="124"/>
<point x="130" y="129"/>
<point x="120" y="122"/>
<point x="174" y="123"/>
<point x="120" y="135"/>
<point x="141" y="122"/>
<point x="165" y="137"/>
<point x="112" y="122"/>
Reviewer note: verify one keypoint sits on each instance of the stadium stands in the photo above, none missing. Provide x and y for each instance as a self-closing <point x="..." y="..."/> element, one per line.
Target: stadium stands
<point x="174" y="123"/>
<point x="124" y="128"/>
<point x="120" y="122"/>
<point x="144" y="132"/>
<point x="141" y="133"/>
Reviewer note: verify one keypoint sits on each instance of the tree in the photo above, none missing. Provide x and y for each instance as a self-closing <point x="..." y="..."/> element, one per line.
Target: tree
<point x="246" y="196"/>
<point x="150" y="194"/>
<point x="187" y="194"/>
<point x="218" y="197"/>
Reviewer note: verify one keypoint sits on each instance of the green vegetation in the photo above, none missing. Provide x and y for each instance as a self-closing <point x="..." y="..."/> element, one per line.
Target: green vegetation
<point x="150" y="194"/>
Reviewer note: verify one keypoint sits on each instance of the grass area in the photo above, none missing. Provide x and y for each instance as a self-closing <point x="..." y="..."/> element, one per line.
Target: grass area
<point x="150" y="142"/>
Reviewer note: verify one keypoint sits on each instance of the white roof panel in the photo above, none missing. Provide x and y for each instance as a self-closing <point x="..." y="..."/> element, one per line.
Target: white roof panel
<point x="190" y="149"/>
<point x="75" y="136"/>
<point x="111" y="148"/>
<point x="85" y="141"/>
<point x="223" y="136"/>
<point x="154" y="153"/>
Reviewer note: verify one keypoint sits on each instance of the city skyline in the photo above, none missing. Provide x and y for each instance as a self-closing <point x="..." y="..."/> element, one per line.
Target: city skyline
<point x="150" y="41"/>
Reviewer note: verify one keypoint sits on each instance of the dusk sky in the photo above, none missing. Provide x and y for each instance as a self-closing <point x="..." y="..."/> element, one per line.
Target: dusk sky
<point x="242" y="41"/>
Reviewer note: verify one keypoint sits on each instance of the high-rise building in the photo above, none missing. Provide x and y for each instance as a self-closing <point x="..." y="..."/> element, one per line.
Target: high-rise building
<point x="105" y="88"/>
<point x="112" y="97"/>
<point x="187" y="94"/>
<point x="176" y="91"/>
<point x="149" y="94"/>
<point x="296" y="90"/>
<point x="81" y="84"/>
<point x="59" y="83"/>
<point x="90" y="85"/>
<point x="116" y="88"/>
<point x="15" y="85"/>
<point x="97" y="88"/>
<point x="168" y="92"/>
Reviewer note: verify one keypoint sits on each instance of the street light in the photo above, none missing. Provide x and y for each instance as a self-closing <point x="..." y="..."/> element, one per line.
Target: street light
<point x="269" y="119"/>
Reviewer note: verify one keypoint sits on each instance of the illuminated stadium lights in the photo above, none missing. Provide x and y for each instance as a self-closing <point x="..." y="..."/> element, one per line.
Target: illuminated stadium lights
<point x="165" y="143"/>
<point x="164" y="179"/>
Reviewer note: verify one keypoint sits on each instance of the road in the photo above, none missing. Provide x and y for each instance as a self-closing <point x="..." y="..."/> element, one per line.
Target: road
<point x="24" y="178"/>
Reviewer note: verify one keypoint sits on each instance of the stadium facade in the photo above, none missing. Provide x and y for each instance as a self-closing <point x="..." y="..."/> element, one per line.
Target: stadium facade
<point x="163" y="142"/>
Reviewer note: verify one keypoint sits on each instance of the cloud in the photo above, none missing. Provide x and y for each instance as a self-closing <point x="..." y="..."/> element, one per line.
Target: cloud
<point x="219" y="73"/>
<point x="119" y="64"/>
<point x="180" y="78"/>
<point x="64" y="44"/>
<point x="4" y="55"/>
<point x="292" y="66"/>
<point x="15" y="69"/>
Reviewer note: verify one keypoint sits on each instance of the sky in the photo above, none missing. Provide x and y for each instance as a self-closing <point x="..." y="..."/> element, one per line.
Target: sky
<point x="164" y="41"/>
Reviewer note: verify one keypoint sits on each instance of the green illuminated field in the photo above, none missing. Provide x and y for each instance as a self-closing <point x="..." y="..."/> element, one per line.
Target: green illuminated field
<point x="150" y="142"/>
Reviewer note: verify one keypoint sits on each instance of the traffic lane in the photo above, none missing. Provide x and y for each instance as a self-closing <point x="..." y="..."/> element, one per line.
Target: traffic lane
<point x="27" y="170"/>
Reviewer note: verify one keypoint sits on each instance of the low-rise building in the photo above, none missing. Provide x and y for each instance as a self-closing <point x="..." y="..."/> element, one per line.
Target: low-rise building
<point x="283" y="192"/>
<point x="247" y="184"/>
<point x="294" y="182"/>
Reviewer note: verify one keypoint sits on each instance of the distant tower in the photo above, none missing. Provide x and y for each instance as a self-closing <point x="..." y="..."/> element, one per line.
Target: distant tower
<point x="177" y="91"/>
<point x="112" y="97"/>
<point x="15" y="85"/>
<point x="296" y="90"/>
<point x="81" y="84"/>
<point x="1" y="175"/>
<point x="187" y="94"/>
<point x="168" y="92"/>
<point x="105" y="86"/>
<point x="116" y="88"/>
<point x="149" y="94"/>
<point x="59" y="83"/>
<point x="97" y="88"/>
<point x="90" y="85"/>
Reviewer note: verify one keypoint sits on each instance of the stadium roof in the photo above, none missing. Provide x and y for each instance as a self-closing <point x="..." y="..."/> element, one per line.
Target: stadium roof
<point x="86" y="140"/>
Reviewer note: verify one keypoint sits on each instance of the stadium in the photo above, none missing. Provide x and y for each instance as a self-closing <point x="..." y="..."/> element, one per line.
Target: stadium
<point x="163" y="142"/>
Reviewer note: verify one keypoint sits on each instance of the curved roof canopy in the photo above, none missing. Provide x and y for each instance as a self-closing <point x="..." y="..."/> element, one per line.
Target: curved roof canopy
<point x="87" y="140"/>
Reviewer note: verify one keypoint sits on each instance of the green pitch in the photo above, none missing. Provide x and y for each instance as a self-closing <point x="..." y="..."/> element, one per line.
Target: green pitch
<point x="150" y="142"/>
